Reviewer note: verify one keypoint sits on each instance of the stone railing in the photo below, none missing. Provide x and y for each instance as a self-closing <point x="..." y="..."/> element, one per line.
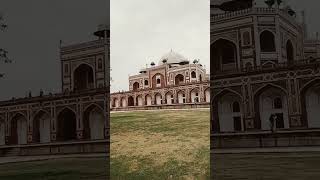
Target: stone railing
<point x="252" y="11"/>
<point x="314" y="62"/>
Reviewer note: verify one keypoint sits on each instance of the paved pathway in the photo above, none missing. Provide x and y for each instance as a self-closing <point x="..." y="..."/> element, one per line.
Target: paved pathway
<point x="14" y="159"/>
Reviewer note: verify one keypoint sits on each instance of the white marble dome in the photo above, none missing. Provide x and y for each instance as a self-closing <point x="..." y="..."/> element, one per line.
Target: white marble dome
<point x="172" y="58"/>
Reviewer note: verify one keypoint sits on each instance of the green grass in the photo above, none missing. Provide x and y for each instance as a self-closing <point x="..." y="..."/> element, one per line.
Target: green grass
<point x="56" y="169"/>
<point x="160" y="145"/>
<point x="276" y="166"/>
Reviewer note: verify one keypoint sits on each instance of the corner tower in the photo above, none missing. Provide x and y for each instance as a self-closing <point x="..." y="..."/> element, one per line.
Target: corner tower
<point x="85" y="66"/>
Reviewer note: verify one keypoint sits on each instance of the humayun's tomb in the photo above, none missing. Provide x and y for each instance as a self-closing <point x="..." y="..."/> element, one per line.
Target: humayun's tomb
<point x="73" y="121"/>
<point x="265" y="77"/>
<point x="173" y="83"/>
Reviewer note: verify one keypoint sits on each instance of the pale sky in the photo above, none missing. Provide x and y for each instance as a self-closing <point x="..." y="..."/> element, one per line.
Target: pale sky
<point x="143" y="31"/>
<point x="32" y="39"/>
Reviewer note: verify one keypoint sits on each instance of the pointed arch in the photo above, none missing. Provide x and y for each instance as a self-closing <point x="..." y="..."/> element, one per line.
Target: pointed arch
<point x="267" y="41"/>
<point x="290" y="52"/>
<point x="264" y="104"/>
<point x="41" y="127"/>
<point x="224" y="55"/>
<point x="19" y="129"/>
<point x="195" y="95"/>
<point x="83" y="77"/>
<point x="93" y="122"/>
<point x="66" y="125"/>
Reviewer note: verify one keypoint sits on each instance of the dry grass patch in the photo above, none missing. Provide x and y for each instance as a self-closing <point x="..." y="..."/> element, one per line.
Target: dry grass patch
<point x="164" y="143"/>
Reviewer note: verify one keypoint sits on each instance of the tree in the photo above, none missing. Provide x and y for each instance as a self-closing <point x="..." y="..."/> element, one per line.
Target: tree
<point x="270" y="3"/>
<point x="3" y="53"/>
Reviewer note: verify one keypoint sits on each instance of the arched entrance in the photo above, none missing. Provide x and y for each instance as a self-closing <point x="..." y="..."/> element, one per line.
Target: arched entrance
<point x="290" y="52"/>
<point x="169" y="98"/>
<point x="130" y="101"/>
<point x="228" y="107"/>
<point x="179" y="79"/>
<point x="158" y="99"/>
<point x="223" y="56"/>
<point x="67" y="125"/>
<point x="194" y="96"/>
<point x="83" y="77"/>
<point x="271" y="101"/>
<point x="116" y="103"/>
<point x="207" y="95"/>
<point x="93" y="123"/>
<point x="41" y="128"/>
<point x="19" y="129"/>
<point x="148" y="100"/>
<point x="181" y="97"/>
<point x="139" y="101"/>
<point x="2" y="133"/>
<point x="123" y="102"/>
<point x="311" y="104"/>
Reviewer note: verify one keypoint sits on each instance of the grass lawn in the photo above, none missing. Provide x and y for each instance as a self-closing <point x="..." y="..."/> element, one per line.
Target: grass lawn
<point x="277" y="166"/>
<point x="166" y="144"/>
<point x="56" y="169"/>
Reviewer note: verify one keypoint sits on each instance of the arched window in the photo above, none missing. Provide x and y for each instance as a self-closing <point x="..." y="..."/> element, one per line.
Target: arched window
<point x="193" y="74"/>
<point x="223" y="56"/>
<point x="267" y="42"/>
<point x="100" y="64"/>
<point x="146" y="83"/>
<point x="135" y="86"/>
<point x="179" y="79"/>
<point x="277" y="103"/>
<point x="158" y="81"/>
<point x="235" y="107"/>
<point x="290" y="54"/>
<point x="246" y="38"/>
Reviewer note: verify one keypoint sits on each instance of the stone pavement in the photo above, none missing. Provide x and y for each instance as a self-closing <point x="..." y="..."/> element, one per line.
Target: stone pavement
<point x="15" y="159"/>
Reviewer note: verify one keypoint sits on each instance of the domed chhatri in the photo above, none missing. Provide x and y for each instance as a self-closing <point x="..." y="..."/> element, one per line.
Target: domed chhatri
<point x="172" y="58"/>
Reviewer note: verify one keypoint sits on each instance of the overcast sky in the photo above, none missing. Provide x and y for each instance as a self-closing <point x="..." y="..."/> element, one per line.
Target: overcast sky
<point x="143" y="31"/>
<point x="32" y="39"/>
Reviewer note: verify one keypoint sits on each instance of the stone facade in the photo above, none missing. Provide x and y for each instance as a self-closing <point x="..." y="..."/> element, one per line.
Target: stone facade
<point x="262" y="64"/>
<point x="78" y="116"/>
<point x="173" y="82"/>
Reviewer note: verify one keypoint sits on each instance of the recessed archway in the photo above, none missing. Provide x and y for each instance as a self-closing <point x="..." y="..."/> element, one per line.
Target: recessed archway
<point x="158" y="99"/>
<point x="207" y="95"/>
<point x="194" y="96"/>
<point x="271" y="100"/>
<point x="267" y="41"/>
<point x="139" y="100"/>
<point x="229" y="112"/>
<point x="93" y="122"/>
<point x="123" y="102"/>
<point x="310" y="98"/>
<point x="83" y="77"/>
<point x="290" y="52"/>
<point x="130" y="101"/>
<point x="41" y="127"/>
<point x="135" y="86"/>
<point x="181" y="96"/>
<point x="67" y="125"/>
<point x="169" y="98"/>
<point x="179" y="79"/>
<point x="223" y="56"/>
<point x="148" y="100"/>
<point x="19" y="129"/>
